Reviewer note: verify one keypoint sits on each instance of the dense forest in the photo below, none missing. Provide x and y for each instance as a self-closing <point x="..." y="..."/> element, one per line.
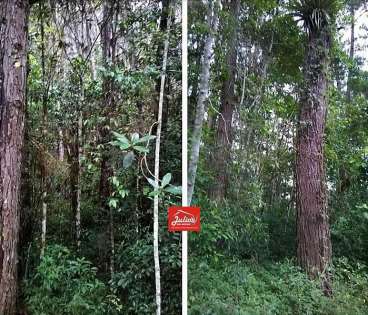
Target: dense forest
<point x="90" y="156"/>
<point x="91" y="105"/>
<point x="278" y="156"/>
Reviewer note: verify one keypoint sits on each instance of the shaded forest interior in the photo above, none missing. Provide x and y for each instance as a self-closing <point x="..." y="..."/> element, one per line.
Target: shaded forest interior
<point x="90" y="156"/>
<point x="279" y="156"/>
<point x="89" y="138"/>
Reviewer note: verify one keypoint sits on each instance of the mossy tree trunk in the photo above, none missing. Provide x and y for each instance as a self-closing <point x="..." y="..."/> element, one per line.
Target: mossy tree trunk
<point x="313" y="233"/>
<point x="224" y="135"/>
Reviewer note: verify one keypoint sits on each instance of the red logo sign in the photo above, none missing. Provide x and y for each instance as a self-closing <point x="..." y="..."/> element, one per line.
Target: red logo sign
<point x="184" y="219"/>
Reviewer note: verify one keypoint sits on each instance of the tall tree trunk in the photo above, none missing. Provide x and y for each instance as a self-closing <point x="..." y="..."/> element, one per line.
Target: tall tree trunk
<point x="13" y="65"/>
<point x="27" y="219"/>
<point x="313" y="233"/>
<point x="79" y="169"/>
<point x="44" y="209"/>
<point x="202" y="98"/>
<point x="61" y="148"/>
<point x="224" y="121"/>
<point x="44" y="131"/>
<point x="160" y="50"/>
<point x="73" y="158"/>
<point x="83" y="47"/>
<point x="110" y="16"/>
<point x="145" y="203"/>
<point x="157" y="175"/>
<point x="351" y="52"/>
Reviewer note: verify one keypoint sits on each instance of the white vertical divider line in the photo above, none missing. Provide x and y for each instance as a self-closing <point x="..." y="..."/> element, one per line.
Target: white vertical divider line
<point x="184" y="69"/>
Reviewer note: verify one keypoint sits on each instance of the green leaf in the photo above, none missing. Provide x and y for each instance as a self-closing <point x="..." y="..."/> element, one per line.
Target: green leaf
<point x="135" y="137"/>
<point x="146" y="191"/>
<point x="122" y="145"/>
<point x="175" y="190"/>
<point x="115" y="181"/>
<point x="123" y="193"/>
<point x="166" y="180"/>
<point x="152" y="182"/>
<point x="121" y="141"/>
<point x="140" y="149"/>
<point x="128" y="159"/>
<point x="145" y="139"/>
<point x="122" y="138"/>
<point x="154" y="193"/>
<point x="113" y="202"/>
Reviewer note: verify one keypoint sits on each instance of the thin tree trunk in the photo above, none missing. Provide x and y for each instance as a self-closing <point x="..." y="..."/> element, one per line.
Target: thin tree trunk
<point x="224" y="121"/>
<point x="160" y="50"/>
<point x="44" y="133"/>
<point x="146" y="203"/>
<point x="79" y="141"/>
<point x="202" y="98"/>
<point x="44" y="220"/>
<point x="112" y="242"/>
<point x="157" y="174"/>
<point x="110" y="16"/>
<point x="73" y="181"/>
<point x="13" y="65"/>
<point x="351" y="53"/>
<point x="79" y="172"/>
<point x="61" y="149"/>
<point x="27" y="219"/>
<point x="61" y="143"/>
<point x="313" y="233"/>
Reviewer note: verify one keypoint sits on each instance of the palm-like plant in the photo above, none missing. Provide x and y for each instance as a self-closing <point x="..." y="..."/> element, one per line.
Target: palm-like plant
<point x="314" y="14"/>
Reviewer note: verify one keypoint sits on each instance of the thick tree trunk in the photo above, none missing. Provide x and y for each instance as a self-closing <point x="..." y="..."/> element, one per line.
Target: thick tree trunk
<point x="224" y="121"/>
<point x="313" y="234"/>
<point x="202" y="98"/>
<point x="13" y="65"/>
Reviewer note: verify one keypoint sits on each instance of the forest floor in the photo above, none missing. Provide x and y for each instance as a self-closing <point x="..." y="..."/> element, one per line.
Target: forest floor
<point x="249" y="288"/>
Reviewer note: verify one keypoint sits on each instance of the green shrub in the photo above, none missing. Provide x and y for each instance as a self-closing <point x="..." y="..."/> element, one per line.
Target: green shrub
<point x="135" y="281"/>
<point x="350" y="233"/>
<point x="66" y="285"/>
<point x="227" y="230"/>
<point x="240" y="288"/>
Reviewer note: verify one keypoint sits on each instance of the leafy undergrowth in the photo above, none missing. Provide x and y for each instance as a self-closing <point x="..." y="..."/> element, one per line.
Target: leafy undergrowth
<point x="243" y="288"/>
<point x="66" y="285"/>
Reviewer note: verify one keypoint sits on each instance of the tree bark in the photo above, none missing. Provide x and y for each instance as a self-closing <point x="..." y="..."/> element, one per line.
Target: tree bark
<point x="79" y="171"/>
<point x="351" y="52"/>
<point x="202" y="98"/>
<point x="44" y="132"/>
<point x="157" y="175"/>
<point x="61" y="149"/>
<point x="313" y="233"/>
<point x="110" y="14"/>
<point x="160" y="50"/>
<point x="13" y="65"/>
<point x="224" y="121"/>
